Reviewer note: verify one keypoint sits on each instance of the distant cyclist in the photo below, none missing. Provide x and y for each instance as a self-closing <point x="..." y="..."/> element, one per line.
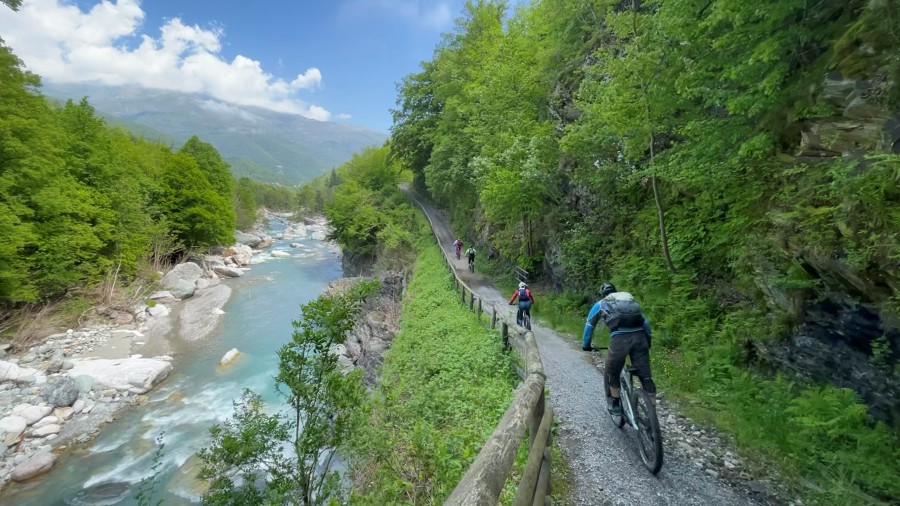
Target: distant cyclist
<point x="629" y="335"/>
<point x="470" y="254"/>
<point x="458" y="244"/>
<point x="526" y="299"/>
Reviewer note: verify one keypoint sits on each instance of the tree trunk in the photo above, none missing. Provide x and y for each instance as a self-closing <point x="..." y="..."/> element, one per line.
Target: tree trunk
<point x="661" y="213"/>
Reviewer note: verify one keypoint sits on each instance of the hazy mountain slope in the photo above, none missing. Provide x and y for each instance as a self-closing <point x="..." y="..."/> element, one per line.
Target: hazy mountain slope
<point x="258" y="143"/>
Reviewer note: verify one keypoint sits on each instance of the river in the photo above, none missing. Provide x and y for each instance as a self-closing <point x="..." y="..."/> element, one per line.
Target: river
<point x="196" y="395"/>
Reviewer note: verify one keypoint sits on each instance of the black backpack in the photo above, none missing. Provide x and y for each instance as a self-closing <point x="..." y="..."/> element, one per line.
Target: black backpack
<point x="622" y="311"/>
<point x="523" y="294"/>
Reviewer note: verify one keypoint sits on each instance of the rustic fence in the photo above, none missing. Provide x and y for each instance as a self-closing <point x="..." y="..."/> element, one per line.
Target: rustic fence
<point x="486" y="477"/>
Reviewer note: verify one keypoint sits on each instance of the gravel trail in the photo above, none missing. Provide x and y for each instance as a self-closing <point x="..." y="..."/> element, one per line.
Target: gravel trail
<point x="605" y="463"/>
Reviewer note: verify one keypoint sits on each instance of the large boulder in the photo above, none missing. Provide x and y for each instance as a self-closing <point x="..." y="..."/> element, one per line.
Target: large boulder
<point x="38" y="464"/>
<point x="200" y="315"/>
<point x="180" y="281"/>
<point x="251" y="240"/>
<point x="281" y="254"/>
<point x="240" y="254"/>
<point x="62" y="393"/>
<point x="136" y="375"/>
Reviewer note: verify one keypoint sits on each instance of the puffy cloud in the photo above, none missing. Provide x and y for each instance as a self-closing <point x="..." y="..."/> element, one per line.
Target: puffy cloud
<point x="62" y="43"/>
<point x="343" y="116"/>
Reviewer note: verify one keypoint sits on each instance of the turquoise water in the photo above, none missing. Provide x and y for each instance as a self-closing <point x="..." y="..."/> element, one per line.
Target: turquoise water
<point x="197" y="394"/>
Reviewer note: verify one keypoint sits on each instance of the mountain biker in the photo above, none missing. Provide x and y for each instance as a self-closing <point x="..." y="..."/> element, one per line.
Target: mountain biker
<point x="526" y="299"/>
<point x="629" y="335"/>
<point x="458" y="244"/>
<point x="470" y="253"/>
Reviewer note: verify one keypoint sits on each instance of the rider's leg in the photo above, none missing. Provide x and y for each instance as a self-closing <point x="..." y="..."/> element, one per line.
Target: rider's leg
<point x="640" y="359"/>
<point x="615" y="361"/>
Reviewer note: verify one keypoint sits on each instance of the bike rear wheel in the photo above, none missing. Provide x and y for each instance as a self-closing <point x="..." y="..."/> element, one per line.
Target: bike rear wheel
<point x="648" y="433"/>
<point x="527" y="322"/>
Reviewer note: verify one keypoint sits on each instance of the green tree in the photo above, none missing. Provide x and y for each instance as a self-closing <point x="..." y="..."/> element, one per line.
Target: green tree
<point x="323" y="409"/>
<point x="197" y="215"/>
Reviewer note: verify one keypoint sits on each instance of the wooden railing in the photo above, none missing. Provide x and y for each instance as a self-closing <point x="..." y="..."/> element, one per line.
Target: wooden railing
<point x="486" y="477"/>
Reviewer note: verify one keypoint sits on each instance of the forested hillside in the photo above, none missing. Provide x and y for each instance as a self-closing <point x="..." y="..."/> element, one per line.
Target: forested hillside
<point x="733" y="164"/>
<point x="81" y="201"/>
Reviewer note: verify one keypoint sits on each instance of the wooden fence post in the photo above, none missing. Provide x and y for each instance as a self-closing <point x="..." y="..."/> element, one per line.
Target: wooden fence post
<point x="472" y="302"/>
<point x="504" y="333"/>
<point x="479" y="308"/>
<point x="534" y="423"/>
<point x="494" y="318"/>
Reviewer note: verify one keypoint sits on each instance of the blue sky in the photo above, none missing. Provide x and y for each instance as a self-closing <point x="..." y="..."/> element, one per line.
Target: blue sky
<point x="335" y="60"/>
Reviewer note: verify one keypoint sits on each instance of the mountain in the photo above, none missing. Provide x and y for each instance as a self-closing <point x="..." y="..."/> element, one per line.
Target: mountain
<point x="258" y="143"/>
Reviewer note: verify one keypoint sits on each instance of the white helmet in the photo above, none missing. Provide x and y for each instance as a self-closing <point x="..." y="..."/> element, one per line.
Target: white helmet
<point x="521" y="285"/>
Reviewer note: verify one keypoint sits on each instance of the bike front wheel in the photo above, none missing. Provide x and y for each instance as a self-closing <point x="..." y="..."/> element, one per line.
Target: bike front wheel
<point x="648" y="434"/>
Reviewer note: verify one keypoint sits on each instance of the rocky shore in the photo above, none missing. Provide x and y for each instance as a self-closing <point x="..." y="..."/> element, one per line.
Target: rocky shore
<point x="61" y="392"/>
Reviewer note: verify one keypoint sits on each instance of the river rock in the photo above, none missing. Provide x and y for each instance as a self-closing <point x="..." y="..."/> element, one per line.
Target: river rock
<point x="13" y="425"/>
<point x="228" y="272"/>
<point x="240" y="255"/>
<point x="281" y="254"/>
<point x="158" y="310"/>
<point x="229" y="357"/>
<point x="318" y="235"/>
<point x="162" y="294"/>
<point x="62" y="393"/>
<point x="64" y="413"/>
<point x="12" y="372"/>
<point x="137" y="375"/>
<point x="295" y="244"/>
<point x="78" y="406"/>
<point x="38" y="464"/>
<point x="85" y="383"/>
<point x="46" y="430"/>
<point x="32" y="413"/>
<point x="47" y="420"/>
<point x="199" y="316"/>
<point x="180" y="280"/>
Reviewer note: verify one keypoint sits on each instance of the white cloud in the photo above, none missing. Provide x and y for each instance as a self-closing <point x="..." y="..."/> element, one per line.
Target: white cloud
<point x="62" y="43"/>
<point x="424" y="13"/>
<point x="343" y="115"/>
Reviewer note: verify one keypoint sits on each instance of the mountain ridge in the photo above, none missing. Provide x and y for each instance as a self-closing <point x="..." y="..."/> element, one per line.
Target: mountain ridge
<point x="258" y="143"/>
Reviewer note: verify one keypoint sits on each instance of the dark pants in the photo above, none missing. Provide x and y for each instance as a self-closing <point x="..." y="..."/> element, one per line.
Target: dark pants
<point x="632" y="344"/>
<point x="524" y="307"/>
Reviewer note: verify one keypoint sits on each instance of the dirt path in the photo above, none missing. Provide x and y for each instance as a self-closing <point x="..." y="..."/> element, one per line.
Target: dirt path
<point x="606" y="466"/>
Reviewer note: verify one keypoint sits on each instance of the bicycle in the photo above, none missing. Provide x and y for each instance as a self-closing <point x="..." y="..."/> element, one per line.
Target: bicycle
<point x="639" y="412"/>
<point x="525" y="320"/>
<point x="472" y="265"/>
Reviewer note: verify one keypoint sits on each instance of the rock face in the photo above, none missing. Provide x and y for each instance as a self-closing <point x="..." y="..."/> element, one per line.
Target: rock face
<point x="136" y="375"/>
<point x="180" y="281"/>
<point x="200" y="315"/>
<point x="38" y="464"/>
<point x="376" y="327"/>
<point x="62" y="393"/>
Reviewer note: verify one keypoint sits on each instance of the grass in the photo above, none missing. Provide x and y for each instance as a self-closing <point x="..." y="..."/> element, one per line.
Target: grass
<point x="444" y="385"/>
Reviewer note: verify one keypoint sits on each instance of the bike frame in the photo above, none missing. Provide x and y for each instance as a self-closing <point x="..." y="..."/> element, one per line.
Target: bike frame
<point x="625" y="394"/>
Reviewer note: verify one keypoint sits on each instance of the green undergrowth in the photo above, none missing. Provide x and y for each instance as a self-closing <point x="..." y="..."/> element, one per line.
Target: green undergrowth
<point x="444" y="385"/>
<point x="820" y="438"/>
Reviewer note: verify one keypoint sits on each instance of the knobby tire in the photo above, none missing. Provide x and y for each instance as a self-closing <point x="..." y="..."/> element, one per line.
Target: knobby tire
<point x="648" y="433"/>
